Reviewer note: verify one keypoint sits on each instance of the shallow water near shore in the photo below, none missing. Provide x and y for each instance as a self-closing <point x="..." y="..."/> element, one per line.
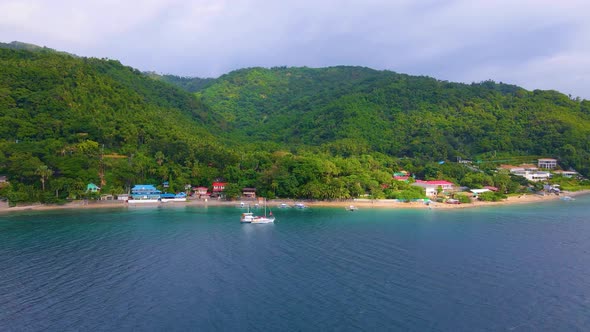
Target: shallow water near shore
<point x="515" y="268"/>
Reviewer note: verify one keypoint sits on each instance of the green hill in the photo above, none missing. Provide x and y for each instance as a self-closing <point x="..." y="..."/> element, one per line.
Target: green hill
<point x="349" y="110"/>
<point x="190" y="84"/>
<point x="327" y="133"/>
<point x="65" y="112"/>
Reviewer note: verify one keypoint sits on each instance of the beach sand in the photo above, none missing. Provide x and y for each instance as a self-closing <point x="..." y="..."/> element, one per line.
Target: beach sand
<point x="358" y="203"/>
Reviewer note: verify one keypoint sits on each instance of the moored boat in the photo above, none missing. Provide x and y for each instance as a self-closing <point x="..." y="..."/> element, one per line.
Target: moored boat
<point x="250" y="218"/>
<point x="351" y="208"/>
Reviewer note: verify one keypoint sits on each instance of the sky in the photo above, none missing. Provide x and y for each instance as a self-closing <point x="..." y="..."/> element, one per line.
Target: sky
<point x="536" y="44"/>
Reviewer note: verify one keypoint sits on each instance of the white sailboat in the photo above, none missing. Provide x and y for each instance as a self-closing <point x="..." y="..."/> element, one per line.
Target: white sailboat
<point x="249" y="217"/>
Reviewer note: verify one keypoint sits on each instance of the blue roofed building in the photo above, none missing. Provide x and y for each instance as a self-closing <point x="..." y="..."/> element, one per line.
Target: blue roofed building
<point x="145" y="192"/>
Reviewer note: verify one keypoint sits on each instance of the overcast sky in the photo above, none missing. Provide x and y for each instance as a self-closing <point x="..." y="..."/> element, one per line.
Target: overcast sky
<point x="537" y="44"/>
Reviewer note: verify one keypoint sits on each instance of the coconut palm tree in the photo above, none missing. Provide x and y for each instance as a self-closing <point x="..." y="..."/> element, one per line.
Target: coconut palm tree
<point x="44" y="172"/>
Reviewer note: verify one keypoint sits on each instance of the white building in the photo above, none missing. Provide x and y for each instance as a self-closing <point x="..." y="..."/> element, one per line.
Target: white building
<point x="547" y="163"/>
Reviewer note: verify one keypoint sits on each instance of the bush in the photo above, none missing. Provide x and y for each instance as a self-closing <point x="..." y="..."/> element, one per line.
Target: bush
<point x="491" y="196"/>
<point x="463" y="199"/>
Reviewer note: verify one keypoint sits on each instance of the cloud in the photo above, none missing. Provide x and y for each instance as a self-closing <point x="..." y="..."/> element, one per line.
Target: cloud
<point x="538" y="44"/>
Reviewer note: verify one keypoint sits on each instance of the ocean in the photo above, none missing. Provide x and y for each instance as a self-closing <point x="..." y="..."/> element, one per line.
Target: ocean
<point x="191" y="268"/>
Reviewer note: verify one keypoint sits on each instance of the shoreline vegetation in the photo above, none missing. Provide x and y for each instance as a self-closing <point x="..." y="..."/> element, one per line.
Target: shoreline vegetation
<point x="275" y="203"/>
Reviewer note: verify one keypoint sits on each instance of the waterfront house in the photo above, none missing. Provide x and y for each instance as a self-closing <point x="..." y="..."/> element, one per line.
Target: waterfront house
<point x="218" y="189"/>
<point x="145" y="192"/>
<point x="107" y="197"/>
<point x="201" y="192"/>
<point x="431" y="188"/>
<point x="122" y="197"/>
<point x="249" y="193"/>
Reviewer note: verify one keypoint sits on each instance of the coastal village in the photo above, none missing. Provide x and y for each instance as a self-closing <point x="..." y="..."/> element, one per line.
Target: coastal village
<point x="434" y="191"/>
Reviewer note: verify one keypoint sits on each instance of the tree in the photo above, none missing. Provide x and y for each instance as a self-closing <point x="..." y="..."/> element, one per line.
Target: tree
<point x="44" y="172"/>
<point x="232" y="191"/>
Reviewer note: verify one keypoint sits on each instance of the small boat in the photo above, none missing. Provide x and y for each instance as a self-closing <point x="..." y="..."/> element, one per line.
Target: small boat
<point x="250" y="218"/>
<point x="300" y="206"/>
<point x="567" y="198"/>
<point x="351" y="208"/>
<point x="283" y="206"/>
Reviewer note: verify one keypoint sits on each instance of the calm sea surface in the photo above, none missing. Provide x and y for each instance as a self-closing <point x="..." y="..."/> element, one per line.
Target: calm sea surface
<point x="516" y="268"/>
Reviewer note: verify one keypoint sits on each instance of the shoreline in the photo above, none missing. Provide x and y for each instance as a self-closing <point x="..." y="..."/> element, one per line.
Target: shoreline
<point x="358" y="203"/>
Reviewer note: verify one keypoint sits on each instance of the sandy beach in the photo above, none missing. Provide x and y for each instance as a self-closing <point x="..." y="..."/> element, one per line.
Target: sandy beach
<point x="358" y="203"/>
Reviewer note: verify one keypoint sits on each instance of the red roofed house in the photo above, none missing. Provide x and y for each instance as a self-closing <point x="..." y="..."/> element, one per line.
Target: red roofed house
<point x="201" y="192"/>
<point x="218" y="189"/>
<point x="431" y="187"/>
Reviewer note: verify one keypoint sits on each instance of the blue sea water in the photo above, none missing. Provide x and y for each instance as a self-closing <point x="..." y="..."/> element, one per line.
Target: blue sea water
<point x="512" y="268"/>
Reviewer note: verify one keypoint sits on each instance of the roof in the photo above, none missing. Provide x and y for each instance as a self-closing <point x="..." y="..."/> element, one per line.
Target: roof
<point x="529" y="166"/>
<point x="143" y="187"/>
<point x="547" y="159"/>
<point x="435" y="182"/>
<point x="565" y="172"/>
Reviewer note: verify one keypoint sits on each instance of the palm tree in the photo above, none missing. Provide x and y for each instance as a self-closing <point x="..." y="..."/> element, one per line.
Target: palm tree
<point x="44" y="172"/>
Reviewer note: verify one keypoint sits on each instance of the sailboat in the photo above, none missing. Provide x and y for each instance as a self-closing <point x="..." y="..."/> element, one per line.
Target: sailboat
<point x="249" y="217"/>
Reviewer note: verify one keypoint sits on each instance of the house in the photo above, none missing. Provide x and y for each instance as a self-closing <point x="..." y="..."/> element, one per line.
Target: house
<point x="566" y="174"/>
<point x="401" y="176"/>
<point x="249" y="193"/>
<point x="218" y="189"/>
<point x="144" y="191"/>
<point x="547" y="163"/>
<point x="123" y="197"/>
<point x="92" y="188"/>
<point x="529" y="171"/>
<point x="477" y="192"/>
<point x="432" y="187"/>
<point x="3" y="179"/>
<point x="201" y="192"/>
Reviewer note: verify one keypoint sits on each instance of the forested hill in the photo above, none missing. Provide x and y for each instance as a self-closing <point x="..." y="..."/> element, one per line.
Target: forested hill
<point x="190" y="84"/>
<point x="66" y="112"/>
<point x="328" y="133"/>
<point x="353" y="109"/>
